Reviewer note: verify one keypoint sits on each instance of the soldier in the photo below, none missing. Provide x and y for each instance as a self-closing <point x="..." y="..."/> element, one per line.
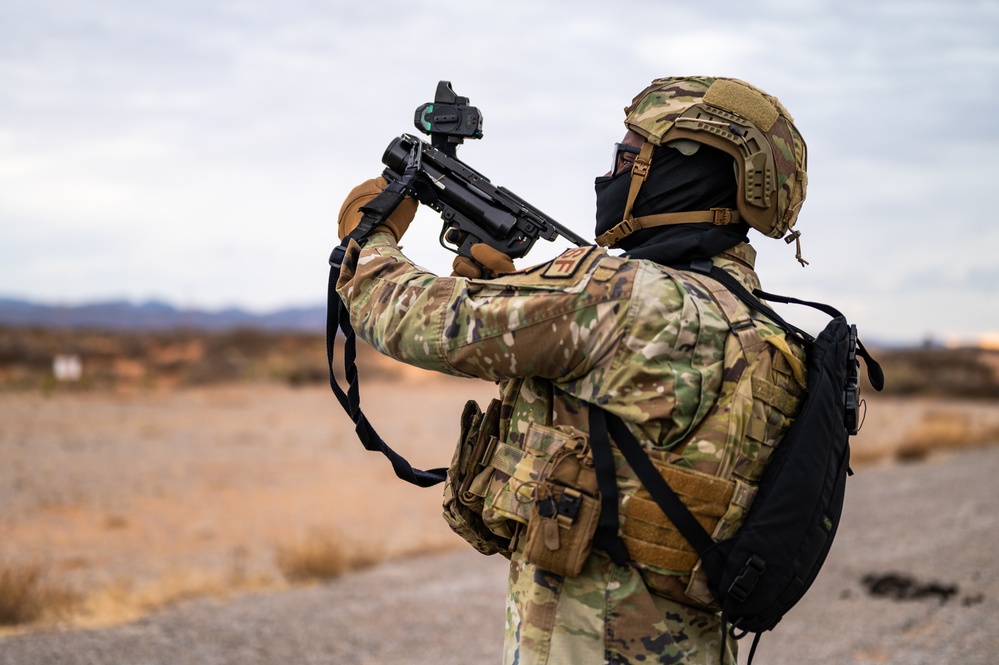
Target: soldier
<point x="708" y="386"/>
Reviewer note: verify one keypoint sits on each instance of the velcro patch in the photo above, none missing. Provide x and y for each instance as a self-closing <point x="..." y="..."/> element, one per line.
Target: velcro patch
<point x="739" y="98"/>
<point x="566" y="265"/>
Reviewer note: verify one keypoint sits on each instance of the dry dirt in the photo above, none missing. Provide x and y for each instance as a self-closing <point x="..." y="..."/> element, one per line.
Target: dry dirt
<point x="178" y="488"/>
<point x="137" y="499"/>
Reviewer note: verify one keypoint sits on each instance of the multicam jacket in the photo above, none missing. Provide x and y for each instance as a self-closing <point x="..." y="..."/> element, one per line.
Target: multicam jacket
<point x="650" y="344"/>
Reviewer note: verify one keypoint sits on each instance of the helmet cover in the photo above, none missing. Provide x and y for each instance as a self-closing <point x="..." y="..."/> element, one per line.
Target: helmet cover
<point x="741" y="120"/>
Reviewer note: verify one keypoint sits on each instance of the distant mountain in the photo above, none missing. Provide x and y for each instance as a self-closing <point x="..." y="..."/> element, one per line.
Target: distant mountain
<point x="154" y="315"/>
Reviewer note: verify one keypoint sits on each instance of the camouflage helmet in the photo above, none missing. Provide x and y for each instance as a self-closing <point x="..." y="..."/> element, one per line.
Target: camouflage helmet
<point x="742" y="121"/>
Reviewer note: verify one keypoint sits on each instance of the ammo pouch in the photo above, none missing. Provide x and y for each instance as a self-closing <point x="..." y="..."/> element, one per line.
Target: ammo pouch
<point x="565" y="512"/>
<point x="468" y="477"/>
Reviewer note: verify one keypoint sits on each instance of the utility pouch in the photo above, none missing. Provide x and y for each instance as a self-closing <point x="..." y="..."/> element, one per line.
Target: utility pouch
<point x="468" y="477"/>
<point x="565" y="514"/>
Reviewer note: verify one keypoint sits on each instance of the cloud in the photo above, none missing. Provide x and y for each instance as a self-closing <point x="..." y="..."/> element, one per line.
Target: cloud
<point x="200" y="150"/>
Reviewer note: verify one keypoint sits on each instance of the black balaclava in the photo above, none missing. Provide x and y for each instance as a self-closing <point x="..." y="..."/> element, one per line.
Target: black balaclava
<point x="676" y="183"/>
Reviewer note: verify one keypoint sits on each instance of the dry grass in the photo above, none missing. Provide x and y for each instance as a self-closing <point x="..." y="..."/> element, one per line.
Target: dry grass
<point x="950" y="373"/>
<point x="177" y="358"/>
<point x="321" y="555"/>
<point x="124" y="601"/>
<point x="152" y="359"/>
<point x="943" y="430"/>
<point x="27" y="595"/>
<point x="938" y="429"/>
<point x="217" y="478"/>
<point x="28" y="600"/>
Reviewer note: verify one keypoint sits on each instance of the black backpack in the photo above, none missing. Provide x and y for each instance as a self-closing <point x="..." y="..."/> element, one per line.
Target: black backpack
<point x="760" y="573"/>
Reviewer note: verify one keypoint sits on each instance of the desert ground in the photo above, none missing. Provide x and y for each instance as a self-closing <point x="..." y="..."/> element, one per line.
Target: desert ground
<point x="132" y="499"/>
<point x="170" y="516"/>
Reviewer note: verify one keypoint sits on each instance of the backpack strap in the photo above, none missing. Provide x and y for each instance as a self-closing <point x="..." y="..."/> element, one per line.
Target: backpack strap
<point x="603" y="422"/>
<point x="738" y="319"/>
<point x="607" y="536"/>
<point x="706" y="267"/>
<point x="725" y="290"/>
<point x="761" y="388"/>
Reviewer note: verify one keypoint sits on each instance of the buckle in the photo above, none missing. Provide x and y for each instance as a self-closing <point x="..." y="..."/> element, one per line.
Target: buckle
<point x="640" y="168"/>
<point x="613" y="236"/>
<point x="747" y="579"/>
<point x="336" y="256"/>
<point x="722" y="216"/>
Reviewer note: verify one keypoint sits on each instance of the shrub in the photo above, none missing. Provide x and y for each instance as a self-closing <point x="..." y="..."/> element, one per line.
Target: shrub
<point x="26" y="596"/>
<point x="321" y="555"/>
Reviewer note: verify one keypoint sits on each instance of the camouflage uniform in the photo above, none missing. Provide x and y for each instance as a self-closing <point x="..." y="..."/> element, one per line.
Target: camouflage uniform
<point x="646" y="343"/>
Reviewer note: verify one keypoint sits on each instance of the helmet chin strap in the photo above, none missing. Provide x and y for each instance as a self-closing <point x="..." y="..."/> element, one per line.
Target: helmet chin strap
<point x="630" y="223"/>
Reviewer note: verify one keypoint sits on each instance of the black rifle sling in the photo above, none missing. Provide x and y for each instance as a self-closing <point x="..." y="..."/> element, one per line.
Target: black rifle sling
<point x="338" y="319"/>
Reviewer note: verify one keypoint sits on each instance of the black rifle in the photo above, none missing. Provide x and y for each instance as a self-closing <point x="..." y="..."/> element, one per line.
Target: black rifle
<point x="473" y="209"/>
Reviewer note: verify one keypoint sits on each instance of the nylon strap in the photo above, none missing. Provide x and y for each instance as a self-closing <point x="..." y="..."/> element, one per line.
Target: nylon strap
<point x="874" y="371"/>
<point x="705" y="267"/>
<point x="717" y="216"/>
<point x="602" y="422"/>
<point x="639" y="172"/>
<point x="607" y="536"/>
<point x="738" y="319"/>
<point x="630" y="223"/>
<point x="338" y="320"/>
<point x="658" y="488"/>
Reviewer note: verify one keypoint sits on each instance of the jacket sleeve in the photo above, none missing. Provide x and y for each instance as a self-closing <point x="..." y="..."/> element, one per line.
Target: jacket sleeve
<point x="509" y="327"/>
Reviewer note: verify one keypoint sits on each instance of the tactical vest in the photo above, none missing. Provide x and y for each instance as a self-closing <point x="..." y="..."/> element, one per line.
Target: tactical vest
<point x="762" y="385"/>
<point x="509" y="476"/>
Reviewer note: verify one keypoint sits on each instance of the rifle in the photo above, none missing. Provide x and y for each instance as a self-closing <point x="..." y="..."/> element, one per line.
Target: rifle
<point x="473" y="209"/>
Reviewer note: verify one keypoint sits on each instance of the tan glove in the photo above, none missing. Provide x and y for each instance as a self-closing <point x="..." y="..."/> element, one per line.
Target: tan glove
<point x="350" y="214"/>
<point x="494" y="260"/>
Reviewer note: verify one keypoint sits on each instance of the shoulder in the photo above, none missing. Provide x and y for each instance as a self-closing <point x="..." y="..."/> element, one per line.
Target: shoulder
<point x="575" y="270"/>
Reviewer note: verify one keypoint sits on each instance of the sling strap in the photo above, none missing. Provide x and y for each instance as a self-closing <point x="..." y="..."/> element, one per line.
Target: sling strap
<point x="338" y="320"/>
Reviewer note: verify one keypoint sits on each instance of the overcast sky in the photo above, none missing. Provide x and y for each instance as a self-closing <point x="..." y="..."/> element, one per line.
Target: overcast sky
<point x="197" y="151"/>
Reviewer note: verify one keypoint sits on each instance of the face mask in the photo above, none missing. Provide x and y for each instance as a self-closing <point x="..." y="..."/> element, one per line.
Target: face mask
<point x="676" y="182"/>
<point x="612" y="195"/>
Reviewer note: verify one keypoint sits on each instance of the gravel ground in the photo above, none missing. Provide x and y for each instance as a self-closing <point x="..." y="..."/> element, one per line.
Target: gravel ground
<point x="927" y="532"/>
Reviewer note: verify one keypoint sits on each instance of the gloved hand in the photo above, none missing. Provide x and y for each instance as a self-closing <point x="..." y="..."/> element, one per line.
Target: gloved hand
<point x="350" y="214"/>
<point x="494" y="260"/>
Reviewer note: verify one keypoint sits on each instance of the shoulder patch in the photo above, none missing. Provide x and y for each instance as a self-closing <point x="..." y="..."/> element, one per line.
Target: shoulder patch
<point x="568" y="263"/>
<point x="607" y="267"/>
